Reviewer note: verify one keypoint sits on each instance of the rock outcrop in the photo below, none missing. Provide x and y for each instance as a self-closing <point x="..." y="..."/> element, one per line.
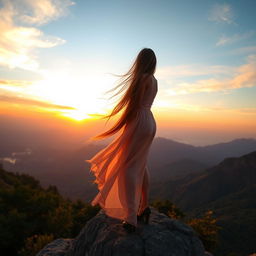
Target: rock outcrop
<point x="103" y="235"/>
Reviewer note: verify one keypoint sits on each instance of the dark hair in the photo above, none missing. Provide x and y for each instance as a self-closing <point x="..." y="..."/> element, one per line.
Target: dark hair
<point x="134" y="84"/>
<point x="145" y="62"/>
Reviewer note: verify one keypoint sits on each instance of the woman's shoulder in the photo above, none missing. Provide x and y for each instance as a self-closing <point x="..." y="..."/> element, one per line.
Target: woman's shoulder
<point x="148" y="77"/>
<point x="149" y="81"/>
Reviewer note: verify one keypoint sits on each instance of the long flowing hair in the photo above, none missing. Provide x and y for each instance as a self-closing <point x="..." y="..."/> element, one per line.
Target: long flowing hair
<point x="132" y="85"/>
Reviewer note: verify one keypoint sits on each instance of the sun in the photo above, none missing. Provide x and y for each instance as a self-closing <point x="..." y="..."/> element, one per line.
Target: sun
<point x="82" y="95"/>
<point x="76" y="115"/>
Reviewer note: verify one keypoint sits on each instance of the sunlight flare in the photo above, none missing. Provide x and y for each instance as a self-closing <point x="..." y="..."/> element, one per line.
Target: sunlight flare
<point x="84" y="93"/>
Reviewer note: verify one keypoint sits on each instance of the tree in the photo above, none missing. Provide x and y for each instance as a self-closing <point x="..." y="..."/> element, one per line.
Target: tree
<point x="168" y="208"/>
<point x="207" y="229"/>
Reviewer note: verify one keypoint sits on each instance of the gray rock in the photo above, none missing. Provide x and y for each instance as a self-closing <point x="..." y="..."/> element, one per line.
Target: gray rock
<point x="58" y="247"/>
<point x="105" y="236"/>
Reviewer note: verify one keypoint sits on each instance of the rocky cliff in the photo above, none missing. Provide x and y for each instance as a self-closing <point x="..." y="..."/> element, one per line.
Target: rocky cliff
<point x="103" y="235"/>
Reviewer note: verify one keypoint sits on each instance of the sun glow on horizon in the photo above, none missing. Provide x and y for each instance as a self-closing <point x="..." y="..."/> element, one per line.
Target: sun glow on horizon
<point x="84" y="93"/>
<point x="76" y="115"/>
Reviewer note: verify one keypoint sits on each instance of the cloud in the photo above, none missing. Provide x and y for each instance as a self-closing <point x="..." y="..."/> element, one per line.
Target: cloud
<point x="43" y="11"/>
<point x="231" y="78"/>
<point x="19" y="83"/>
<point x="18" y="41"/>
<point x="244" y="50"/>
<point x="224" y="40"/>
<point x="171" y="72"/>
<point x="180" y="106"/>
<point x="32" y="102"/>
<point x="222" y="13"/>
<point x="16" y="92"/>
<point x="14" y="86"/>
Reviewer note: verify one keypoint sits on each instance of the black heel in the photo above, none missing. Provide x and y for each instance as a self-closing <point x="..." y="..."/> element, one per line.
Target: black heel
<point x="146" y="218"/>
<point x="145" y="215"/>
<point x="128" y="227"/>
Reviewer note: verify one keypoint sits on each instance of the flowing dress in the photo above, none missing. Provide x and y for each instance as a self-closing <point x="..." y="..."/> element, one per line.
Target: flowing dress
<point x="121" y="168"/>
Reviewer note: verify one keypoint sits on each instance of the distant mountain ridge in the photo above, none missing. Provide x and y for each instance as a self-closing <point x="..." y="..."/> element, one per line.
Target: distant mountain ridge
<point x="178" y="169"/>
<point x="165" y="151"/>
<point x="229" y="190"/>
<point x="67" y="170"/>
<point x="230" y="176"/>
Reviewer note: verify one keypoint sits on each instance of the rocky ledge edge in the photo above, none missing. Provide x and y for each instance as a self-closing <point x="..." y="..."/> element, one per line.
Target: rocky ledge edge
<point x="103" y="235"/>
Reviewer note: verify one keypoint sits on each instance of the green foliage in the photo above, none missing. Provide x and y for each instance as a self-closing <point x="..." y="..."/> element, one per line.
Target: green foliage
<point x="34" y="244"/>
<point x="168" y="208"/>
<point x="206" y="226"/>
<point x="207" y="229"/>
<point x="31" y="216"/>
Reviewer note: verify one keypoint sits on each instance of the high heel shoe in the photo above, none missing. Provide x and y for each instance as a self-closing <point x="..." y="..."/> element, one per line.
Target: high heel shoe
<point x="145" y="215"/>
<point x="128" y="227"/>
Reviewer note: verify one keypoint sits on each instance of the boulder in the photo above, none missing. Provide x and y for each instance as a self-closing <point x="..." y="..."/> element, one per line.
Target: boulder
<point x="105" y="236"/>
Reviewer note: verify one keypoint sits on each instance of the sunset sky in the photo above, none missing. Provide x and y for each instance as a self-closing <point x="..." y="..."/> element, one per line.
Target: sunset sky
<point x="57" y="57"/>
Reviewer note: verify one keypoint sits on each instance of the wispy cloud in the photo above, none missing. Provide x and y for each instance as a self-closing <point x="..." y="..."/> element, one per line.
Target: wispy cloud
<point x="232" y="78"/>
<point x="18" y="41"/>
<point x="19" y="83"/>
<point x="171" y="72"/>
<point x="13" y="99"/>
<point x="17" y="92"/>
<point x="244" y="50"/>
<point x="43" y="11"/>
<point x="14" y="86"/>
<point x="224" y="40"/>
<point x="179" y="106"/>
<point x="222" y="13"/>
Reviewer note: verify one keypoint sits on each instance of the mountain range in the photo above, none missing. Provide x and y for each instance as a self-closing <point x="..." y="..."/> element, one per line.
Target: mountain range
<point x="220" y="177"/>
<point x="164" y="151"/>
<point x="229" y="190"/>
<point x="65" y="167"/>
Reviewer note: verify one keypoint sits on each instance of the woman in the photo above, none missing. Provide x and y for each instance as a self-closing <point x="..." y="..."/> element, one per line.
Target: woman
<point x="120" y="168"/>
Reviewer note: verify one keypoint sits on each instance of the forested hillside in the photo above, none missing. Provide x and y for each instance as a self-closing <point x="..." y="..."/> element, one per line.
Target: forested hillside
<point x="31" y="215"/>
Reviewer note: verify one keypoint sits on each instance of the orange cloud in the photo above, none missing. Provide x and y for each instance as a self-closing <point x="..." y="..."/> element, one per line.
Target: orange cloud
<point x="19" y="83"/>
<point x="32" y="102"/>
<point x="232" y="78"/>
<point x="13" y="92"/>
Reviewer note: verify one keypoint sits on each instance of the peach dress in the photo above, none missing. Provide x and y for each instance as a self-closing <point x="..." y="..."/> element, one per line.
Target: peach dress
<point x="121" y="168"/>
